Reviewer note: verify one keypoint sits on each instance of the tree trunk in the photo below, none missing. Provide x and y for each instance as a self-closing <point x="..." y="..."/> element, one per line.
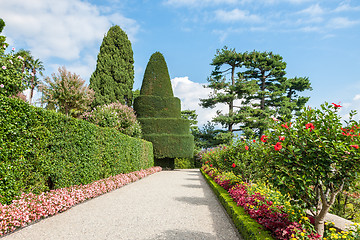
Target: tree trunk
<point x="231" y="104"/>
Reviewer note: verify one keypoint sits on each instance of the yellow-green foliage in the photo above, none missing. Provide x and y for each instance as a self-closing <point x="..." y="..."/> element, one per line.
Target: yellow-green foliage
<point x="42" y="150"/>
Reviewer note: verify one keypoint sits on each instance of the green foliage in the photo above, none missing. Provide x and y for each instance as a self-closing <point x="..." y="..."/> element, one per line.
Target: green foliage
<point x="67" y="93"/>
<point x="113" y="77"/>
<point x="317" y="159"/>
<point x="11" y="79"/>
<point x="156" y="80"/>
<point x="165" y="125"/>
<point x="247" y="227"/>
<point x="117" y="116"/>
<point x="171" y="145"/>
<point x="2" y="38"/>
<point x="184" y="163"/>
<point x="157" y="107"/>
<point x="159" y="113"/>
<point x="42" y="150"/>
<point x="258" y="85"/>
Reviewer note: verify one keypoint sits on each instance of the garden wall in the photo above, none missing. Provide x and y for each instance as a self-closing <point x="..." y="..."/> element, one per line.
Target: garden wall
<point x="42" y="150"/>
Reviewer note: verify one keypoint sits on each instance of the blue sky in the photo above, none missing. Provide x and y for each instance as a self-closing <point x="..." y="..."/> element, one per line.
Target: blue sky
<point x="317" y="38"/>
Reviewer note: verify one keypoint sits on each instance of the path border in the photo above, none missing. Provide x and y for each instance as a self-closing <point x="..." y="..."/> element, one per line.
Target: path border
<point x="248" y="228"/>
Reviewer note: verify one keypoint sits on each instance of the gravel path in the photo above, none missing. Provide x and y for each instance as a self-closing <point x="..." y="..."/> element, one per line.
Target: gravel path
<point x="166" y="205"/>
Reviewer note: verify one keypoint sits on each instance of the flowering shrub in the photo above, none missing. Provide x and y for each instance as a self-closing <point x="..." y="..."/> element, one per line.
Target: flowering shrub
<point x="30" y="207"/>
<point x="11" y="78"/>
<point x="115" y="115"/>
<point x="317" y="159"/>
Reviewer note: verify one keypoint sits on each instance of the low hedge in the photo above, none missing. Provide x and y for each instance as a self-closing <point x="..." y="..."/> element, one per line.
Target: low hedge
<point x="42" y="150"/>
<point x="248" y="228"/>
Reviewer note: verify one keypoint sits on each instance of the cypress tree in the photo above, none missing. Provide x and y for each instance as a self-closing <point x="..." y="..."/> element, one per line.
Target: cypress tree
<point x="113" y="77"/>
<point x="159" y="114"/>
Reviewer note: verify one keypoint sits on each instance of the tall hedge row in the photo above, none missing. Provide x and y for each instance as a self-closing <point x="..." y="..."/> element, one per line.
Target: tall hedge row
<point x="42" y="150"/>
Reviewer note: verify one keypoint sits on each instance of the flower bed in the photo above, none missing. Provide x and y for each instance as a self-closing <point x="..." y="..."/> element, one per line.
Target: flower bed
<point x="30" y="207"/>
<point x="272" y="210"/>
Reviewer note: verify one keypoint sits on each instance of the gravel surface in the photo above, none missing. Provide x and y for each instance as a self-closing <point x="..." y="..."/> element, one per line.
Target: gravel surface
<point x="166" y="205"/>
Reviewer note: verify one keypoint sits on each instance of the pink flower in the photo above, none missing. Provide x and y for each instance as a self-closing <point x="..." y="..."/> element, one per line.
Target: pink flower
<point x="278" y="146"/>
<point x="281" y="138"/>
<point x="246" y="148"/>
<point x="4" y="67"/>
<point x="1" y="86"/>
<point x="275" y="119"/>
<point x="13" y="49"/>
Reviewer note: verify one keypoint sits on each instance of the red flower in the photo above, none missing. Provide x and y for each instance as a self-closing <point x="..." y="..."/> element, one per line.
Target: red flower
<point x="210" y="165"/>
<point x="254" y="140"/>
<point x="246" y="148"/>
<point x="278" y="146"/>
<point x="281" y="138"/>
<point x="310" y="125"/>
<point x="336" y="105"/>
<point x="233" y="165"/>
<point x="285" y="125"/>
<point x="263" y="138"/>
<point x="355" y="146"/>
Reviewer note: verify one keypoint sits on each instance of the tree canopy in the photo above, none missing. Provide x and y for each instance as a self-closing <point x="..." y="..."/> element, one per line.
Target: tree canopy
<point x="256" y="90"/>
<point x="113" y="77"/>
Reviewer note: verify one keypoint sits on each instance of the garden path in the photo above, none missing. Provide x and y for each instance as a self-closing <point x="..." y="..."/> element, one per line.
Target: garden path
<point x="166" y="205"/>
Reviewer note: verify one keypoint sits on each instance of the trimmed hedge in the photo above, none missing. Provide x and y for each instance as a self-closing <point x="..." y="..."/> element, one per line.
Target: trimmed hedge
<point x="42" y="150"/>
<point x="157" y="107"/>
<point x="248" y="228"/>
<point x="156" y="125"/>
<point x="171" y="145"/>
<point x="159" y="113"/>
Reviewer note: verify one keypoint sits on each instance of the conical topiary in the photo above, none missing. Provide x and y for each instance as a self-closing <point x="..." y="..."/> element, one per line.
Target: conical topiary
<point x="159" y="113"/>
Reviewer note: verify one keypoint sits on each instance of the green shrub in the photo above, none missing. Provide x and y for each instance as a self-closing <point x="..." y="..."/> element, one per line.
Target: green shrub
<point x="159" y="113"/>
<point x="184" y="163"/>
<point x="42" y="150"/>
<point x="115" y="115"/>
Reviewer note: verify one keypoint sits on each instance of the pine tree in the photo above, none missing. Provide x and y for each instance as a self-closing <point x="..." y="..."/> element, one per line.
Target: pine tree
<point x="159" y="114"/>
<point x="256" y="91"/>
<point x="113" y="77"/>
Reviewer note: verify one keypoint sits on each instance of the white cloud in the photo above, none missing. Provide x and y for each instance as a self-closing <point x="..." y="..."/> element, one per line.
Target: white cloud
<point x="190" y="94"/>
<point x="236" y="15"/>
<point x="60" y="29"/>
<point x="345" y="7"/>
<point x="313" y="10"/>
<point x="357" y="97"/>
<point x="341" y="22"/>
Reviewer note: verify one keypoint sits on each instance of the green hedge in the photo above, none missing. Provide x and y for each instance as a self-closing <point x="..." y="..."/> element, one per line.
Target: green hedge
<point x="157" y="107"/>
<point x="248" y="228"/>
<point x="163" y="125"/>
<point x="176" y="146"/>
<point x="42" y="150"/>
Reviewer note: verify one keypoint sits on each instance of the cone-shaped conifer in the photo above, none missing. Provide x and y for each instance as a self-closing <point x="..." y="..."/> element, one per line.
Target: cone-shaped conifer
<point x="159" y="113"/>
<point x="113" y="77"/>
